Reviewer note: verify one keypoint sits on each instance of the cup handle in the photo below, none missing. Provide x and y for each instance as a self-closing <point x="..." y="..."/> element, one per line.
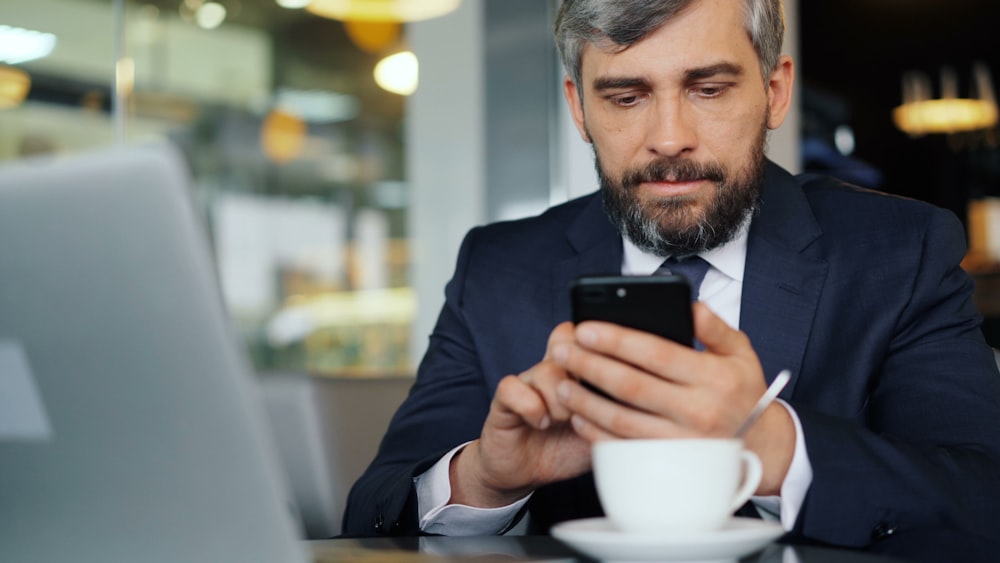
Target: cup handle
<point x="752" y="473"/>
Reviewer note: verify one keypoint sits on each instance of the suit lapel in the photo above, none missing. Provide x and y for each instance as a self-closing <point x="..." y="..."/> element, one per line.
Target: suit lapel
<point x="597" y="250"/>
<point x="782" y="281"/>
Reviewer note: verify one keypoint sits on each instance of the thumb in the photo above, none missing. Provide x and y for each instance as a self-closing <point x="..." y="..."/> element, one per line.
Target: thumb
<point x="716" y="335"/>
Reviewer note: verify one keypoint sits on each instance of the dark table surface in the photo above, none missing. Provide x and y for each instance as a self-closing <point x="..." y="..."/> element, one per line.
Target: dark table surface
<point x="545" y="548"/>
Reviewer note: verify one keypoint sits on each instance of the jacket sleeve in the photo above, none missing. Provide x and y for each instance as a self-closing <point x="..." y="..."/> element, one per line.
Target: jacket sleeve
<point x="446" y="406"/>
<point x="923" y="456"/>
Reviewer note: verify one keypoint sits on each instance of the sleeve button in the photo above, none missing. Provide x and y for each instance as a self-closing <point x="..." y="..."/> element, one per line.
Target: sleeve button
<point x="882" y="530"/>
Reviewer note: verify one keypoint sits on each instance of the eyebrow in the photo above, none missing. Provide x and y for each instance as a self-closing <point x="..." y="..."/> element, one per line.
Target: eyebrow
<point x="623" y="83"/>
<point x="713" y="70"/>
<point x="613" y="83"/>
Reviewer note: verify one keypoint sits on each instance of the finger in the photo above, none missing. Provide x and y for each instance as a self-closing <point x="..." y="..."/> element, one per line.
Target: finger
<point x="717" y="336"/>
<point x="589" y="432"/>
<point x="620" y="380"/>
<point x="596" y="417"/>
<point x="654" y="406"/>
<point x="516" y="402"/>
<point x="648" y="352"/>
<point x="562" y="334"/>
<point x="543" y="378"/>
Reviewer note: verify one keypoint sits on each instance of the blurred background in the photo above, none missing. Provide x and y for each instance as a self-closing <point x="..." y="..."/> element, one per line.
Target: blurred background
<point x="340" y="156"/>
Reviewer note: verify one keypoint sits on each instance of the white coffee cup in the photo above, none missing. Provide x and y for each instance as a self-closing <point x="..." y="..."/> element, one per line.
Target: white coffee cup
<point x="674" y="486"/>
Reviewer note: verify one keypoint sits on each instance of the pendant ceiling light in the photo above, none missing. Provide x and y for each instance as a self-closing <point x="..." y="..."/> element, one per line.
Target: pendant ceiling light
<point x="382" y="10"/>
<point x="372" y="37"/>
<point x="398" y="73"/>
<point x="945" y="116"/>
<point x="14" y="85"/>
<point x="921" y="114"/>
<point x="283" y="136"/>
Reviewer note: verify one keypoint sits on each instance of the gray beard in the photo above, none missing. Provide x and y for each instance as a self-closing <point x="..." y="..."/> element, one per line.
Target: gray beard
<point x="670" y="226"/>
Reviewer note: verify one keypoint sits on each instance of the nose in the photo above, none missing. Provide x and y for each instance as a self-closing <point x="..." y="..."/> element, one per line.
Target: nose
<point x="671" y="131"/>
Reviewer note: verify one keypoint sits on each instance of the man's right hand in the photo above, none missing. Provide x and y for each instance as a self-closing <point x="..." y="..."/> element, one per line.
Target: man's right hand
<point x="526" y="441"/>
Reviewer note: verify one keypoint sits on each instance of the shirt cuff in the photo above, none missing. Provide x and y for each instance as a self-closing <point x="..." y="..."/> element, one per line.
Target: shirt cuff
<point x="793" y="490"/>
<point x="438" y="517"/>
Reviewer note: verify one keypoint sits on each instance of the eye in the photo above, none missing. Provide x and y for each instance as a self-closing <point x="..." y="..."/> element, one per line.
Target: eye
<point x="625" y="100"/>
<point x="711" y="90"/>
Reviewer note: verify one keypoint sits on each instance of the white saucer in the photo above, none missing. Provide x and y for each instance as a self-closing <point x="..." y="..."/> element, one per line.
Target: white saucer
<point x="600" y="539"/>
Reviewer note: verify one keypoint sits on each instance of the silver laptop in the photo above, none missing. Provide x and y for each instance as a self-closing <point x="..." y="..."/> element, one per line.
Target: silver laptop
<point x="130" y="429"/>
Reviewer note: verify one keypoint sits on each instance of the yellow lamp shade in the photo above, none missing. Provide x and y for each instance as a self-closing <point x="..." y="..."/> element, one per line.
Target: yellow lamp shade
<point x="283" y="135"/>
<point x="14" y="86"/>
<point x="945" y="116"/>
<point x="382" y="10"/>
<point x="372" y="36"/>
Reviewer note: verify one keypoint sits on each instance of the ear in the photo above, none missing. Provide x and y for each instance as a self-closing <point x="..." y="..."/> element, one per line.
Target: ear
<point x="575" y="106"/>
<point x="779" y="91"/>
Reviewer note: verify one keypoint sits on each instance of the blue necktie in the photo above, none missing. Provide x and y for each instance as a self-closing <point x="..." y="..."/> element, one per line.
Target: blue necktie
<point x="692" y="267"/>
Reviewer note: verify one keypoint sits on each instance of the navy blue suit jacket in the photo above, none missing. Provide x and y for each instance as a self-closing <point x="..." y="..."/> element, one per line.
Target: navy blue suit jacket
<point x="858" y="293"/>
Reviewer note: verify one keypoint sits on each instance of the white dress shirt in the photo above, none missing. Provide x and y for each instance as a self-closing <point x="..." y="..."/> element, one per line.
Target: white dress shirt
<point x="721" y="290"/>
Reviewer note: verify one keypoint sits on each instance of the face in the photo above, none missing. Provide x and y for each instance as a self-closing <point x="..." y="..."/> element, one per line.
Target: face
<point x="678" y="122"/>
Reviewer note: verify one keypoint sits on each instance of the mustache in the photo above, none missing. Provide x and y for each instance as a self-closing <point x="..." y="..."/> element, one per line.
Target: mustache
<point x="673" y="170"/>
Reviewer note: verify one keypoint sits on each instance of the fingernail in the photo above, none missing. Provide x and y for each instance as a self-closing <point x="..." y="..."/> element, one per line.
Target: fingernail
<point x="577" y="422"/>
<point x="562" y="391"/>
<point x="544" y="422"/>
<point x="560" y="352"/>
<point x="586" y="335"/>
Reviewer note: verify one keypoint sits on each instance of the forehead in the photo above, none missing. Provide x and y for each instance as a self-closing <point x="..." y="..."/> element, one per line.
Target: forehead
<point x="707" y="32"/>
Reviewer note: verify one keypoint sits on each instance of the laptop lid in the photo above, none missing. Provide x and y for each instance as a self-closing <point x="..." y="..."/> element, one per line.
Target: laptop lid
<point x="130" y="428"/>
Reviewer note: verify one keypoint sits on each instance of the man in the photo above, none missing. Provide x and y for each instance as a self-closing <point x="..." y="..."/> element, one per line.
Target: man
<point x="889" y="425"/>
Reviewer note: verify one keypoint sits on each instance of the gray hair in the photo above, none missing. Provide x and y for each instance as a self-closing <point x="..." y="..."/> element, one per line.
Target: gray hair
<point x="619" y="24"/>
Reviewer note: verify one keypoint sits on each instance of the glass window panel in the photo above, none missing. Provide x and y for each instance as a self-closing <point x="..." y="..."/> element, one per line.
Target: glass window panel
<point x="296" y="154"/>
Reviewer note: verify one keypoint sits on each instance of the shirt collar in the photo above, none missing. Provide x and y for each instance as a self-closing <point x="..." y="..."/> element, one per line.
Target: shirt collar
<point x="729" y="259"/>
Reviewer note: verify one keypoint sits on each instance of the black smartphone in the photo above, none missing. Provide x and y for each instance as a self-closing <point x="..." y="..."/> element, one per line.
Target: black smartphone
<point x="659" y="304"/>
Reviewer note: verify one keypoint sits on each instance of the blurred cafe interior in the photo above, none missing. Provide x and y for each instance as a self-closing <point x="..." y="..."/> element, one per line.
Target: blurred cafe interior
<point x="338" y="158"/>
